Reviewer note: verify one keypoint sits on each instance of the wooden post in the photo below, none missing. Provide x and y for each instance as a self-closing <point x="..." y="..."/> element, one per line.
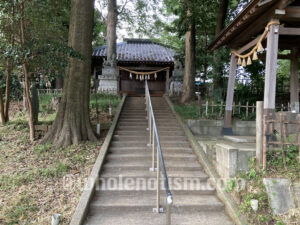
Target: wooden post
<point x="199" y="106"/>
<point x="212" y="107"/>
<point x="206" y="108"/>
<point x="281" y="120"/>
<point x="294" y="81"/>
<point x="271" y="69"/>
<point x="299" y="137"/>
<point x="259" y="134"/>
<point x="247" y="109"/>
<point x="264" y="158"/>
<point x="239" y="108"/>
<point x="167" y="81"/>
<point x="227" y="129"/>
<point x="221" y="109"/>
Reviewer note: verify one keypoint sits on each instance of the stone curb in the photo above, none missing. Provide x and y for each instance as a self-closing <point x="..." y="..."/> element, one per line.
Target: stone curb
<point x="88" y="192"/>
<point x="230" y="206"/>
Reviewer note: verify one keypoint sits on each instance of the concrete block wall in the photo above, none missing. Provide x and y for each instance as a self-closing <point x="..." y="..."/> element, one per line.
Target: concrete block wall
<point x="230" y="160"/>
<point x="215" y="127"/>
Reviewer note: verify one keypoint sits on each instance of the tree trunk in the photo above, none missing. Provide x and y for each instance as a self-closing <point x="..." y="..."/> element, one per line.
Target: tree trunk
<point x="7" y="89"/>
<point x="189" y="69"/>
<point x="59" y="82"/>
<point x="26" y="75"/>
<point x="222" y="13"/>
<point x="9" y="69"/>
<point x="2" y="116"/>
<point x="111" y="38"/>
<point x="72" y="123"/>
<point x="28" y="101"/>
<point x="221" y="17"/>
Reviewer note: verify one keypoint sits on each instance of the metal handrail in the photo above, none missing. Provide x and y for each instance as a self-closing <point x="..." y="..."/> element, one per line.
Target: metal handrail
<point x="154" y="140"/>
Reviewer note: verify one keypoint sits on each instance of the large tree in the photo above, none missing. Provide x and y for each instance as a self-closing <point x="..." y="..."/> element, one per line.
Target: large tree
<point x="72" y="123"/>
<point x="7" y="23"/>
<point x="188" y="91"/>
<point x="111" y="38"/>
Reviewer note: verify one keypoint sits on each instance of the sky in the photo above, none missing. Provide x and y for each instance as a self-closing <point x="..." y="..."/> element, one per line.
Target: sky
<point x="124" y="29"/>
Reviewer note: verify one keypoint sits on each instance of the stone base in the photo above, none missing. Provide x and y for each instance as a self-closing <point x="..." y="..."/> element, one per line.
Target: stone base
<point x="108" y="81"/>
<point x="109" y="86"/>
<point x="280" y="194"/>
<point x="230" y="160"/>
<point x="227" y="131"/>
<point x="175" y="88"/>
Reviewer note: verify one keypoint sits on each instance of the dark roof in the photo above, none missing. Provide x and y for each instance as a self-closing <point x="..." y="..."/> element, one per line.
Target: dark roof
<point x="139" y="50"/>
<point x="249" y="23"/>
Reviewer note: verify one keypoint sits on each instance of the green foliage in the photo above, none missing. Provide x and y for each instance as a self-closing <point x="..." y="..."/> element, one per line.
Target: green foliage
<point x="99" y="31"/>
<point x="275" y="162"/>
<point x="231" y="185"/>
<point x="187" y="111"/>
<point x="104" y="101"/>
<point x="24" y="206"/>
<point x="41" y="149"/>
<point x="15" y="86"/>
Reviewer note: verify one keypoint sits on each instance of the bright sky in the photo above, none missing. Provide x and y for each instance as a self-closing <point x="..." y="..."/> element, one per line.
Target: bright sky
<point x="125" y="30"/>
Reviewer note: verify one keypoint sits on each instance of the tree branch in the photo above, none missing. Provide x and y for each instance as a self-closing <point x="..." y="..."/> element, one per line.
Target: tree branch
<point x="104" y="19"/>
<point x="123" y="7"/>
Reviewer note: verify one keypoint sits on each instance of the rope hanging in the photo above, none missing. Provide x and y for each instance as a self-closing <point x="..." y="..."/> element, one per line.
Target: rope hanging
<point x="143" y="75"/>
<point x="245" y="60"/>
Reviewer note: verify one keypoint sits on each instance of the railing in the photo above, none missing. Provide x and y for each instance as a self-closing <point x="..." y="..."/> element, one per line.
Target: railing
<point x="154" y="142"/>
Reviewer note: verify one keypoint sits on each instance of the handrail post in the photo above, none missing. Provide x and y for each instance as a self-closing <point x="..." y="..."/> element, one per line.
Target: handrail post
<point x="153" y="150"/>
<point x="160" y="164"/>
<point x="169" y="209"/>
<point x="158" y="209"/>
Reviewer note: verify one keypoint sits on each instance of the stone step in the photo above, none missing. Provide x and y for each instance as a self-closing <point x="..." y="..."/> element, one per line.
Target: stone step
<point x="145" y="123"/>
<point x="147" y="150"/>
<point x="145" y="137"/>
<point x="146" y="167"/>
<point x="191" y="176"/>
<point x="142" y="133"/>
<point x="150" y="188"/>
<point x="132" y="201"/>
<point x="144" y="144"/>
<point x="131" y="165"/>
<point x="143" y="127"/>
<point x="173" y="120"/>
<point x="148" y="157"/>
<point x="149" y="218"/>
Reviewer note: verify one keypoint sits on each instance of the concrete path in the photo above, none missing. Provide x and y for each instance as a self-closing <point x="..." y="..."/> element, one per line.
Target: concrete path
<point x="126" y="192"/>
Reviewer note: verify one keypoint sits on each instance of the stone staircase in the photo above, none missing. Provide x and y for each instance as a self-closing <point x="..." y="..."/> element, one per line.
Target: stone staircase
<point x="126" y="194"/>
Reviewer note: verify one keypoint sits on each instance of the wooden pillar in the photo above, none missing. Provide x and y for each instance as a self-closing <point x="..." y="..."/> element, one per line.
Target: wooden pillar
<point x="294" y="81"/>
<point x="167" y="81"/>
<point x="259" y="134"/>
<point x="227" y="129"/>
<point x="271" y="70"/>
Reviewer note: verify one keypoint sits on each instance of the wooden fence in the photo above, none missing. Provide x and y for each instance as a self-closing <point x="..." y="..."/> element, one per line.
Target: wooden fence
<point x="220" y="107"/>
<point x="237" y="109"/>
<point x="268" y="129"/>
<point x="49" y="91"/>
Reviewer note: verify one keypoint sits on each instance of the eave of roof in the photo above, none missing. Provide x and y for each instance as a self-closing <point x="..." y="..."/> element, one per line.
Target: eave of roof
<point x="245" y="17"/>
<point x="139" y="50"/>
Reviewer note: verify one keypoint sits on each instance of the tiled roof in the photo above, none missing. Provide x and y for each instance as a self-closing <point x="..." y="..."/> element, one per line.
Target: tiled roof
<point x="139" y="50"/>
